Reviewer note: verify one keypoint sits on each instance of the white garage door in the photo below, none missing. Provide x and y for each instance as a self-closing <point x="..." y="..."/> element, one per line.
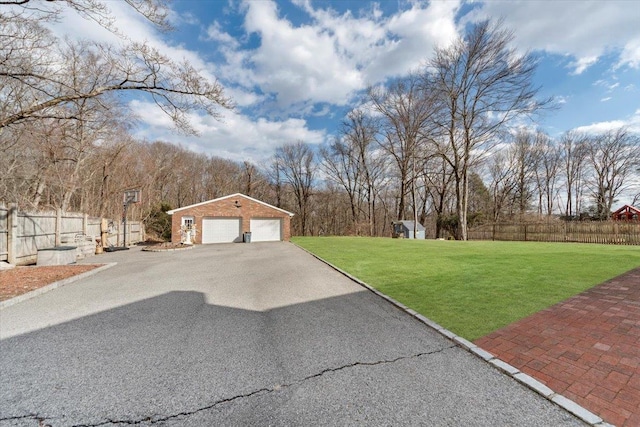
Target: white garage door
<point x="221" y="230"/>
<point x="265" y="230"/>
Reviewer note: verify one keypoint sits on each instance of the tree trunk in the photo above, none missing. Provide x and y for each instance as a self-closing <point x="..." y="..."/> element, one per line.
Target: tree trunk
<point x="37" y="197"/>
<point x="401" y="207"/>
<point x="463" y="205"/>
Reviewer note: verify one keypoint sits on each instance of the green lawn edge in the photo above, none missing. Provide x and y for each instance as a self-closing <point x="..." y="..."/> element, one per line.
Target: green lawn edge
<point x="475" y="287"/>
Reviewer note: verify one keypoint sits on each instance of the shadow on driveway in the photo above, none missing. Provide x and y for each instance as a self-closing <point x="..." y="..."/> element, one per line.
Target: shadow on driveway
<point x="176" y="360"/>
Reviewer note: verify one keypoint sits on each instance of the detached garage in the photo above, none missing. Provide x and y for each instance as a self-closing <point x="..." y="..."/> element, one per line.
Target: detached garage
<point x="226" y="219"/>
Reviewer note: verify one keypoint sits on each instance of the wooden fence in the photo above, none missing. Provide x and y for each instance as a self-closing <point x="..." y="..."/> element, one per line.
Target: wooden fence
<point x="22" y="234"/>
<point x="605" y="232"/>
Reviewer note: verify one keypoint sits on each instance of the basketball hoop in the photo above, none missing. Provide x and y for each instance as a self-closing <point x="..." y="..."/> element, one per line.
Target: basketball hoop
<point x="129" y="196"/>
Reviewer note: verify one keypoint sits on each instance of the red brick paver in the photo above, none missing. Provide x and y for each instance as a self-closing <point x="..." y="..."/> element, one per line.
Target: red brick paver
<point x="586" y="348"/>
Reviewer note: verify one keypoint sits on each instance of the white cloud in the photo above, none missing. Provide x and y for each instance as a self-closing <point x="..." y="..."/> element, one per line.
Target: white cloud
<point x="416" y="32"/>
<point x="609" y="86"/>
<point x="242" y="97"/>
<point x="632" y="123"/>
<point x="584" y="30"/>
<point x="581" y="64"/>
<point x="236" y="136"/>
<point x="605" y="99"/>
<point x="334" y="55"/>
<point x="631" y="52"/>
<point x="216" y="33"/>
<point x="298" y="63"/>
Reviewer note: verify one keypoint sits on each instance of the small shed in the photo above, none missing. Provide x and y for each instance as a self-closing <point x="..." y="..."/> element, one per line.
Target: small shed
<point x="404" y="229"/>
<point x="627" y="213"/>
<point x="230" y="219"/>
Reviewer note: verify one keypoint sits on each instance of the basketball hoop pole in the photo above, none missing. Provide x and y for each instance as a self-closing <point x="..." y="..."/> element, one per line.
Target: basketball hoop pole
<point x="124" y="220"/>
<point x="130" y="196"/>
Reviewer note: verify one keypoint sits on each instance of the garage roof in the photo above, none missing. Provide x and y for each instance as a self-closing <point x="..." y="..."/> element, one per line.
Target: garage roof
<point x="171" y="212"/>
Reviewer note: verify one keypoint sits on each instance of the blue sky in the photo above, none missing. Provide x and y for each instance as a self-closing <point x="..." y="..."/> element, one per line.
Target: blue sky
<point x="294" y="68"/>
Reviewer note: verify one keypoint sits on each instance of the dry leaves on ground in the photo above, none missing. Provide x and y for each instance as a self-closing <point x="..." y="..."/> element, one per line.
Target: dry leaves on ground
<point x="20" y="280"/>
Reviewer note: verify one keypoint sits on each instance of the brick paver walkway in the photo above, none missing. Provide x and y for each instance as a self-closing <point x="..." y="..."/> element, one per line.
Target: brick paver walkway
<point x="586" y="348"/>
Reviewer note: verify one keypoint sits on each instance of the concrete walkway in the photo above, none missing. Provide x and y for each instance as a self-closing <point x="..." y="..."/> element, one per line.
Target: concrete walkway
<point x="587" y="348"/>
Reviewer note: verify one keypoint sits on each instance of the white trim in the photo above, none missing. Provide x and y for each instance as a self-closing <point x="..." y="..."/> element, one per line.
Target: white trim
<point x="171" y="212"/>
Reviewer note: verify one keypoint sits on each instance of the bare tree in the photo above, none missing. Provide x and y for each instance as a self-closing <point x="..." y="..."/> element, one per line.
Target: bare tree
<point x="483" y="84"/>
<point x="41" y="75"/>
<point x="296" y="163"/>
<point x="341" y="164"/>
<point x="352" y="162"/>
<point x="331" y="214"/>
<point x="406" y="110"/>
<point x="275" y="175"/>
<point x="250" y="173"/>
<point x="613" y="156"/>
<point x="548" y="154"/>
<point x="108" y="158"/>
<point x="502" y="170"/>
<point x="155" y="11"/>
<point x="438" y="178"/>
<point x="573" y="155"/>
<point x="525" y="158"/>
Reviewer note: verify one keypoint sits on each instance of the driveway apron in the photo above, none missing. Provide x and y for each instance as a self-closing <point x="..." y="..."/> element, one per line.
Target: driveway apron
<point x="241" y="334"/>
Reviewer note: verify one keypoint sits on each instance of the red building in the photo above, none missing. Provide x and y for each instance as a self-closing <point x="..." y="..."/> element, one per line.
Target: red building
<point x="627" y="213"/>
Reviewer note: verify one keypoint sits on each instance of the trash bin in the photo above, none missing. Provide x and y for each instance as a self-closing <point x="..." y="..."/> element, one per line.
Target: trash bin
<point x="246" y="237"/>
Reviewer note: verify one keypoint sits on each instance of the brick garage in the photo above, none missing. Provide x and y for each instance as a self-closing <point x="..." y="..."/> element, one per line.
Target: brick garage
<point x="226" y="219"/>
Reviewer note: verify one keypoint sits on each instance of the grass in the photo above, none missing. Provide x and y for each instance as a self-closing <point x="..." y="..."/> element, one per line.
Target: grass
<point x="474" y="288"/>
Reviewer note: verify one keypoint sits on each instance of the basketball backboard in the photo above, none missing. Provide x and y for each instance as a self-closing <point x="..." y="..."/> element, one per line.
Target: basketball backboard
<point x="131" y="196"/>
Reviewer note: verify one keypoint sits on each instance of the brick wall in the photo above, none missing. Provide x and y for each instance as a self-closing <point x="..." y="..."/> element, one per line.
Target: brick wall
<point x="226" y="208"/>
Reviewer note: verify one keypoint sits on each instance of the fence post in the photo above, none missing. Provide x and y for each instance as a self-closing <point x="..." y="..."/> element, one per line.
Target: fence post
<point x="58" y="226"/>
<point x="12" y="233"/>
<point x="85" y="224"/>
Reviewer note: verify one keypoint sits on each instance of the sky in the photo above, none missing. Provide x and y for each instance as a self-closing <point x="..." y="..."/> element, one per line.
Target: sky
<point x="295" y="68"/>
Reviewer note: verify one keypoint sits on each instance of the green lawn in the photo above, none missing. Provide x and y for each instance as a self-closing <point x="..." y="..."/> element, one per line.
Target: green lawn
<point x="474" y="288"/>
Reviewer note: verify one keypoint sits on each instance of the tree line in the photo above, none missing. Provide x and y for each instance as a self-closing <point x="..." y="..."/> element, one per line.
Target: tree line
<point x="437" y="146"/>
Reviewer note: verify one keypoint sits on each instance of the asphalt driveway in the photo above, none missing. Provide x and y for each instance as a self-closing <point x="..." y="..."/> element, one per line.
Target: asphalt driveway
<point x="258" y="334"/>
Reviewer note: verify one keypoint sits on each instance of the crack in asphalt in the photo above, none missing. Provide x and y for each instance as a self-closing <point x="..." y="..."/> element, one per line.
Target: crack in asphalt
<point x="380" y="362"/>
<point x="34" y="417"/>
<point x="152" y="420"/>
